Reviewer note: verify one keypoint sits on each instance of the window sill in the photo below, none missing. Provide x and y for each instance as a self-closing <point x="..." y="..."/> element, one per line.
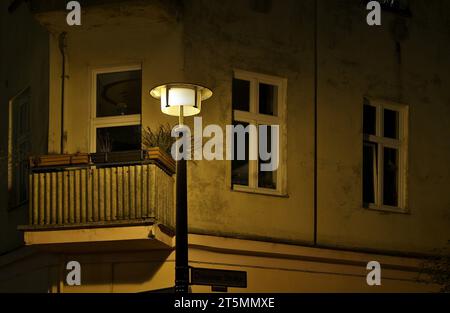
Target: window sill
<point x="259" y="191"/>
<point x="386" y="209"/>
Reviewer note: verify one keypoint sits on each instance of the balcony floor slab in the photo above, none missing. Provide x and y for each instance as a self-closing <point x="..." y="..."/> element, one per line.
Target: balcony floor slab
<point x="137" y="237"/>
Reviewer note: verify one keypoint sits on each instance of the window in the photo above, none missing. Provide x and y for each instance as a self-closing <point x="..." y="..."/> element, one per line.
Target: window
<point x="18" y="148"/>
<point x="116" y="109"/>
<point x="259" y="100"/>
<point x="384" y="155"/>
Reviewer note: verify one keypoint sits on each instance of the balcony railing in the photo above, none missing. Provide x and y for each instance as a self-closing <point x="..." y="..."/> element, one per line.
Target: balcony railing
<point x="101" y="195"/>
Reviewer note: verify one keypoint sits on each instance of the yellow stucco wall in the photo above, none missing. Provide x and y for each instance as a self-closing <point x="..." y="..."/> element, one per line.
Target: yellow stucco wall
<point x="357" y="61"/>
<point x="269" y="267"/>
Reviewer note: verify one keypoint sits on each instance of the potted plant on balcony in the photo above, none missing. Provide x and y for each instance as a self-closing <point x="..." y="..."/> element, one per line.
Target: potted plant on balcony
<point x="158" y="145"/>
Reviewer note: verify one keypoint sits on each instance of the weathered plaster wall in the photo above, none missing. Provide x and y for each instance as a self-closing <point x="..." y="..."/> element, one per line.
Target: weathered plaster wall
<point x="110" y="36"/>
<point x="24" y="55"/>
<point x="356" y="60"/>
<point x="220" y="37"/>
<point x="210" y="39"/>
<point x="204" y="47"/>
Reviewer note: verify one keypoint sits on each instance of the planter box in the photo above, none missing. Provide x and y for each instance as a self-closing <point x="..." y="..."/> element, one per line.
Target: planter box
<point x="154" y="155"/>
<point x="59" y="160"/>
<point x="160" y="157"/>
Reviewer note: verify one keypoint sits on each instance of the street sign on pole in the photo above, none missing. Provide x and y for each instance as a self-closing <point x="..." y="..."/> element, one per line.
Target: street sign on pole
<point x="219" y="278"/>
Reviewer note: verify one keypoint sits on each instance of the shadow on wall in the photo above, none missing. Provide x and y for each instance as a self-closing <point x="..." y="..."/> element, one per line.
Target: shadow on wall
<point x="105" y="271"/>
<point x="121" y="271"/>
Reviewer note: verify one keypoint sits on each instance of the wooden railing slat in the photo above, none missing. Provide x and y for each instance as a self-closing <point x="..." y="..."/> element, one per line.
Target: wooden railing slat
<point x="71" y="196"/>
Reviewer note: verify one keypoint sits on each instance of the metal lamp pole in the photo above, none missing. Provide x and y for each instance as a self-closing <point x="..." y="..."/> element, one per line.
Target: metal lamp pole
<point x="180" y="99"/>
<point x="181" y="233"/>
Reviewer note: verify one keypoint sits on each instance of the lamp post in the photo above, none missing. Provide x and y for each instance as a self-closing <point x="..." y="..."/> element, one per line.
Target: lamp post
<point x="181" y="99"/>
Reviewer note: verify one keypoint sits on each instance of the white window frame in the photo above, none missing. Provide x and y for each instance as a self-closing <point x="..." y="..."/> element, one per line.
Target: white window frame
<point x="109" y="121"/>
<point x="400" y="144"/>
<point x="255" y="118"/>
<point x="13" y="185"/>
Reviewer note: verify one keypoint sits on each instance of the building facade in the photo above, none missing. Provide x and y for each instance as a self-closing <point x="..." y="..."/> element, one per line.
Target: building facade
<point x="364" y="143"/>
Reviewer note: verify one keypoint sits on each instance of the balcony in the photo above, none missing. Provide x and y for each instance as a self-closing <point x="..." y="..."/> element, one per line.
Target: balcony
<point x="101" y="198"/>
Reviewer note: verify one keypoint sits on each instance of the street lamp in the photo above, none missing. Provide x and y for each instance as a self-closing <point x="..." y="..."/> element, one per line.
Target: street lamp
<point x="181" y="99"/>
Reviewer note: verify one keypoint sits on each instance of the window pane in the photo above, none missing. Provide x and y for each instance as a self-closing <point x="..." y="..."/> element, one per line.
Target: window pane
<point x="122" y="138"/>
<point x="369" y="172"/>
<point x="390" y="177"/>
<point x="119" y="93"/>
<point x="370" y="119"/>
<point x="268" y="96"/>
<point x="241" y="95"/>
<point x="390" y="124"/>
<point x="240" y="168"/>
<point x="267" y="179"/>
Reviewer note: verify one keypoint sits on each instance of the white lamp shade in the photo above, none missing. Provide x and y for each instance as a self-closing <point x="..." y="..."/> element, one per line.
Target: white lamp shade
<point x="174" y="96"/>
